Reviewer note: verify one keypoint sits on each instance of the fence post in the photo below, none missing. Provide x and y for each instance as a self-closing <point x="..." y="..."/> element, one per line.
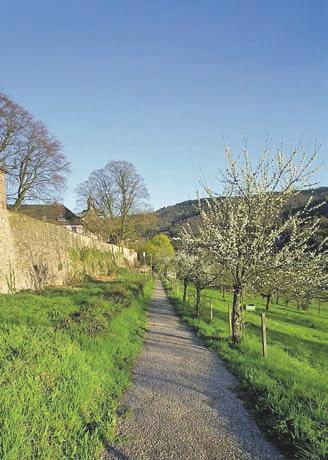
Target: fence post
<point x="211" y="310"/>
<point x="229" y="320"/>
<point x="264" y="337"/>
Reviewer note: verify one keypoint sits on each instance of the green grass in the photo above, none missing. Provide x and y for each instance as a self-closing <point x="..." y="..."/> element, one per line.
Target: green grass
<point x="288" y="390"/>
<point x="65" y="359"/>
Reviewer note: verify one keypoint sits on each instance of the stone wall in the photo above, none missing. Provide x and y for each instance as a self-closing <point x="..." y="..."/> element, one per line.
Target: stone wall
<point x="29" y="247"/>
<point x="3" y="197"/>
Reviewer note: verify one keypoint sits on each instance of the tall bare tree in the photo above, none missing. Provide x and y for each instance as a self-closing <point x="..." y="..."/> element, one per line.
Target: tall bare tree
<point x="38" y="169"/>
<point x="13" y="121"/>
<point x="97" y="193"/>
<point x="245" y="231"/>
<point x="130" y="191"/>
<point x="115" y="191"/>
<point x="36" y="166"/>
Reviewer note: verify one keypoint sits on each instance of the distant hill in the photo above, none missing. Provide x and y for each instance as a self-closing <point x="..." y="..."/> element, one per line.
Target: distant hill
<point x="171" y="218"/>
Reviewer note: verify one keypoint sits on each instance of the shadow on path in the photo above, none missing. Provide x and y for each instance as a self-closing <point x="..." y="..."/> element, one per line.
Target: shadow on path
<point x="183" y="402"/>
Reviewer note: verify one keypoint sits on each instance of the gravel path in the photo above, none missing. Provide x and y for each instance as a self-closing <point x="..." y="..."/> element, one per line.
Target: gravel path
<point x="183" y="401"/>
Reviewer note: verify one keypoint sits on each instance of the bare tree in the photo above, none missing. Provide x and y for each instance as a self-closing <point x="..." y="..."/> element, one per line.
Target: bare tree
<point x="38" y="169"/>
<point x="34" y="161"/>
<point x="245" y="230"/>
<point x="13" y="121"/>
<point x="130" y="191"/>
<point x="115" y="191"/>
<point x="97" y="193"/>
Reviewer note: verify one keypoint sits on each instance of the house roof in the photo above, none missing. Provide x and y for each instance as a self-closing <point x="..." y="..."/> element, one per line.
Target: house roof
<point x="55" y="213"/>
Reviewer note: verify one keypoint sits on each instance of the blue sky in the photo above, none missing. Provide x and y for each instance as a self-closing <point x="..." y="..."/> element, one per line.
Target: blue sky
<point x="165" y="84"/>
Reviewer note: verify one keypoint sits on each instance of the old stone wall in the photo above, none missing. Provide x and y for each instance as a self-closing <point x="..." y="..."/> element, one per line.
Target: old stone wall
<point x="31" y="250"/>
<point x="3" y="197"/>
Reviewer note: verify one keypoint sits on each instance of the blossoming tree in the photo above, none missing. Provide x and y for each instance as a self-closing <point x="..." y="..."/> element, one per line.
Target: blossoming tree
<point x="245" y="231"/>
<point x="196" y="266"/>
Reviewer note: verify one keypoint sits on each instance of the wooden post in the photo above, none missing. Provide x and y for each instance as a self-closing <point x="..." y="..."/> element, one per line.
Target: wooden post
<point x="145" y="267"/>
<point x="229" y="320"/>
<point x="264" y="337"/>
<point x="211" y="310"/>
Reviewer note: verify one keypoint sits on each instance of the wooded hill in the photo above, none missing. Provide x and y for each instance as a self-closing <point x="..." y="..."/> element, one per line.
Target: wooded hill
<point x="171" y="218"/>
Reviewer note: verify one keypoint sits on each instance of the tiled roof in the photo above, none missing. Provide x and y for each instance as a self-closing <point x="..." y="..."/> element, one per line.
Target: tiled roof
<point x="53" y="213"/>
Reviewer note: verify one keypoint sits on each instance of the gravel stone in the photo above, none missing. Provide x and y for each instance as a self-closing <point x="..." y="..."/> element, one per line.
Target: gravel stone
<point x="183" y="401"/>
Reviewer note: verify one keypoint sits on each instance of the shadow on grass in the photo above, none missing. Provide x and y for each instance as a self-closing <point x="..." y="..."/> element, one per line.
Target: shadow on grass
<point x="296" y="346"/>
<point x="307" y="322"/>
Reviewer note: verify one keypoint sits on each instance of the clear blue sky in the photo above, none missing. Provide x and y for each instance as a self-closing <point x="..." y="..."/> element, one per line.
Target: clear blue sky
<point x="163" y="83"/>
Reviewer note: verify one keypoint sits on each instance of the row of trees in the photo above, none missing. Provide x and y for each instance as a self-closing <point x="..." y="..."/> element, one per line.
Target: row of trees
<point x="244" y="241"/>
<point x="33" y="158"/>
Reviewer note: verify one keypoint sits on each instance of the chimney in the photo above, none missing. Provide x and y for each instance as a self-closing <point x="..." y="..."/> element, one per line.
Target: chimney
<point x="3" y="195"/>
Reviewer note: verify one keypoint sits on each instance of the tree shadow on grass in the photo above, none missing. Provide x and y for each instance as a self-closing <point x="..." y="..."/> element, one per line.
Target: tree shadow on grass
<point x="293" y="345"/>
<point x="307" y="322"/>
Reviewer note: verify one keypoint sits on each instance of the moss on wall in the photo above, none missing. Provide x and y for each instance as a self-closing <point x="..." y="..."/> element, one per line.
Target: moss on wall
<point x="35" y="253"/>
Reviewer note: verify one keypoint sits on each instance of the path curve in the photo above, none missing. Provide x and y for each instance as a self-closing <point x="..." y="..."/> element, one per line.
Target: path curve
<point x="183" y="401"/>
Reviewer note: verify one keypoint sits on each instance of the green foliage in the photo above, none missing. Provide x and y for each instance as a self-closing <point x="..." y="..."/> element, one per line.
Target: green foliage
<point x="288" y="389"/>
<point x="139" y="246"/>
<point x="88" y="262"/>
<point x="65" y="358"/>
<point x="159" y="247"/>
<point x="171" y="218"/>
<point x="141" y="225"/>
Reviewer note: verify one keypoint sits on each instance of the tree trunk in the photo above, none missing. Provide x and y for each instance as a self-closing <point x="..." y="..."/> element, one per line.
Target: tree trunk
<point x="198" y="293"/>
<point x="237" y="318"/>
<point x="19" y="200"/>
<point x="123" y="227"/>
<point x="185" y="287"/>
<point x="267" y="307"/>
<point x="277" y="298"/>
<point x="17" y="204"/>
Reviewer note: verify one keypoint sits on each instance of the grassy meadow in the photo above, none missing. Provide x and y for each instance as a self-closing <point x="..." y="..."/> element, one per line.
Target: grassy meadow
<point x="65" y="359"/>
<point x="287" y="390"/>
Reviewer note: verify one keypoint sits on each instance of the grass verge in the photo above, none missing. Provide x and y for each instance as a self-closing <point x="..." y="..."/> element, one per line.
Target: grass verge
<point x="65" y="359"/>
<point x="288" y="390"/>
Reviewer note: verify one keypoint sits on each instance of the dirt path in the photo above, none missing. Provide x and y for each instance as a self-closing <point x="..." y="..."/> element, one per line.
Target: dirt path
<point x="183" y="402"/>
